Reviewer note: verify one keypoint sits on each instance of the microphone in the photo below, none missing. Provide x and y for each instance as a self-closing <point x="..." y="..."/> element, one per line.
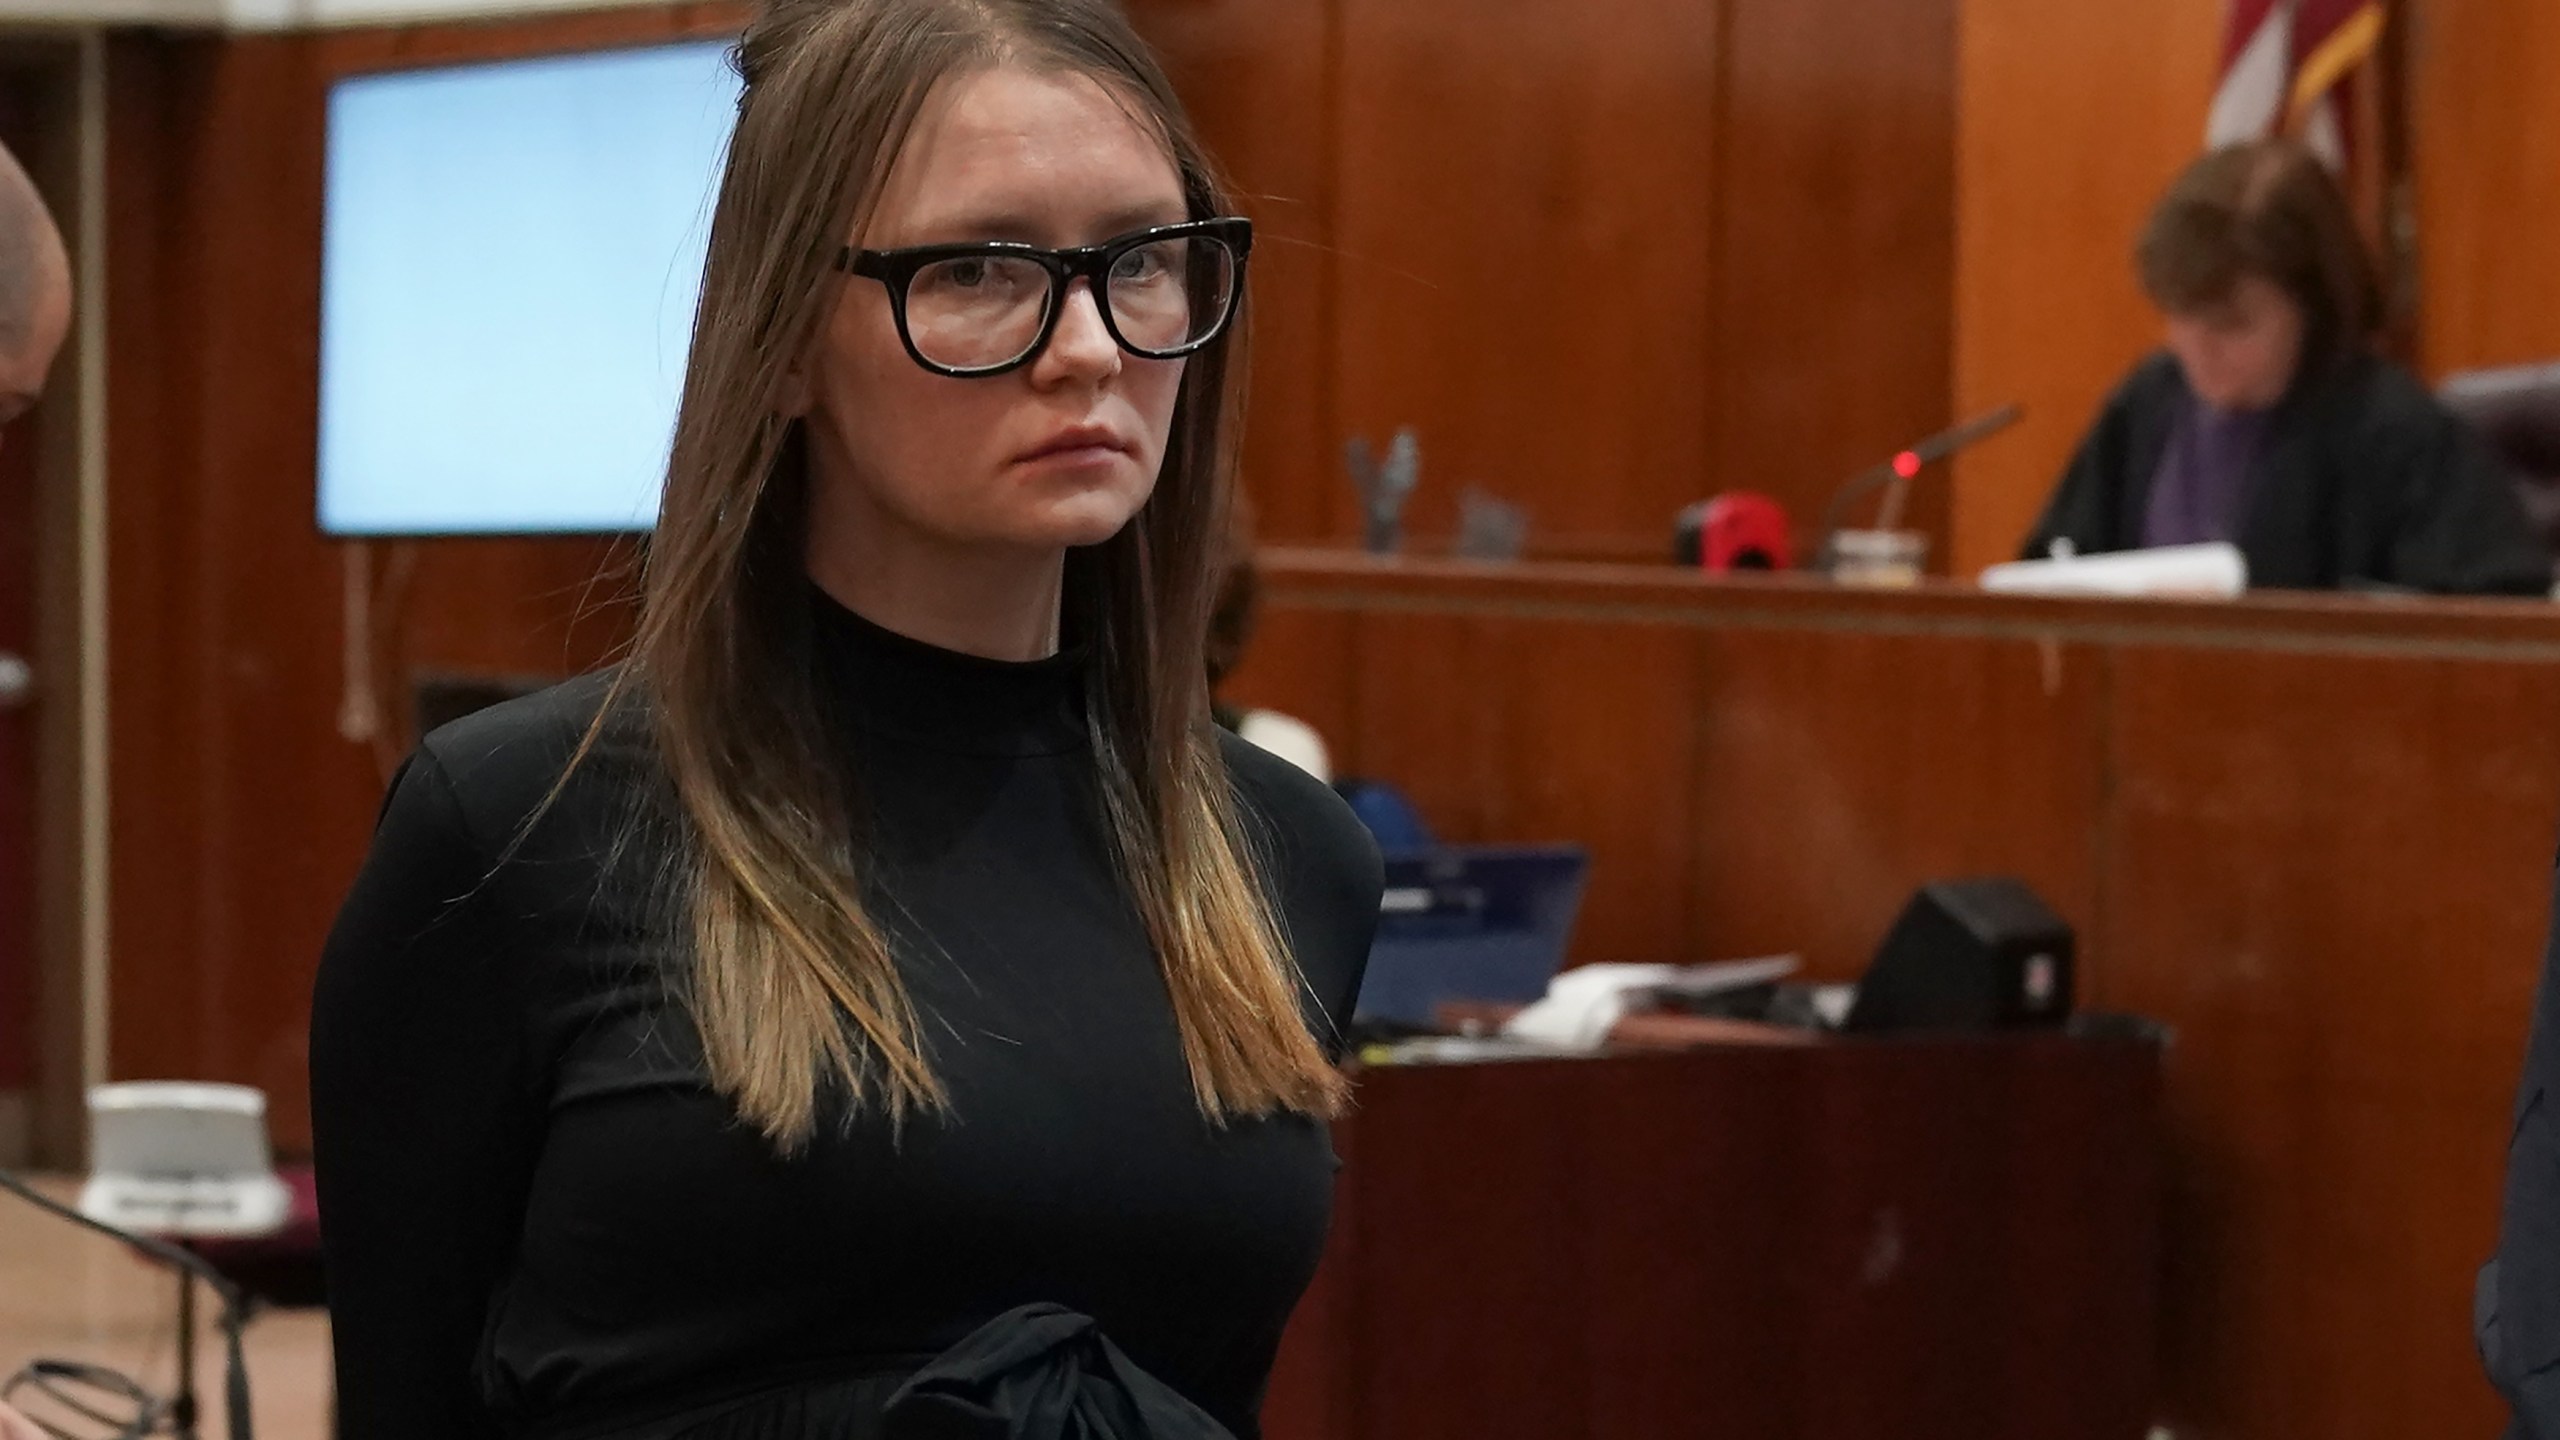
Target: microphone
<point x="235" y="1308"/>
<point x="1902" y="469"/>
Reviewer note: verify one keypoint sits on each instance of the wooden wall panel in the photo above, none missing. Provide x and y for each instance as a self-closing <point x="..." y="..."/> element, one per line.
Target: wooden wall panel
<point x="1833" y="316"/>
<point x="1837" y="769"/>
<point x="239" y="808"/>
<point x="2072" y="118"/>
<point x="1826" y="1242"/>
<point x="2311" y="834"/>
<point x="1586" y="737"/>
<point x="1257" y="77"/>
<point x="2331" y="872"/>
<point x="2486" y="121"/>
<point x="1527" y="199"/>
<point x="1304" y="658"/>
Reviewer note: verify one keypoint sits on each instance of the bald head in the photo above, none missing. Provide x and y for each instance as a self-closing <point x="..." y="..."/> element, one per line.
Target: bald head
<point x="35" y="290"/>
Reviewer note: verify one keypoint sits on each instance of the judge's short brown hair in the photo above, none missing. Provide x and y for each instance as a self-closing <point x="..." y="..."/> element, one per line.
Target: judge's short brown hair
<point x="2271" y="209"/>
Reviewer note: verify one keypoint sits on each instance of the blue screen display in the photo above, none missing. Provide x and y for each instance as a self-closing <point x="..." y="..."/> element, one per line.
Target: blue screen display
<point x="509" y="274"/>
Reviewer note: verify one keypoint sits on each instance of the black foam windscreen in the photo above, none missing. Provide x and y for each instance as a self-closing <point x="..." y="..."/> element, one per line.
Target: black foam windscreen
<point x="1969" y="955"/>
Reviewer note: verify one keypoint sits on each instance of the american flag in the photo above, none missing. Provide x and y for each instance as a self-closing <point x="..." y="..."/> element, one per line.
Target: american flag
<point x="2289" y="67"/>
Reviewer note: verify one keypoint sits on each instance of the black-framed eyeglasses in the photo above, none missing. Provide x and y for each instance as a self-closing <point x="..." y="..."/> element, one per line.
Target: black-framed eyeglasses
<point x="984" y="309"/>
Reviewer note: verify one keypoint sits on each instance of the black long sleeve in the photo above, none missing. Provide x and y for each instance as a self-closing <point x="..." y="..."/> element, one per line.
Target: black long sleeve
<point x="423" y="1117"/>
<point x="2087" y="504"/>
<point x="540" y="1218"/>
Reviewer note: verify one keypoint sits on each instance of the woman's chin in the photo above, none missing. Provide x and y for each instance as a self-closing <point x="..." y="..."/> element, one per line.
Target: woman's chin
<point x="1086" y="519"/>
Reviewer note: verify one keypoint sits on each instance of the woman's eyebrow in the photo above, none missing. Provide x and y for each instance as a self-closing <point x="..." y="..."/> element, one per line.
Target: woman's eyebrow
<point x="1018" y="227"/>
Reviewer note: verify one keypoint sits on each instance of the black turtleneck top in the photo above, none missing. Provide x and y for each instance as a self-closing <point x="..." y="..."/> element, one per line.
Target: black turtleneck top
<point x="539" y="1218"/>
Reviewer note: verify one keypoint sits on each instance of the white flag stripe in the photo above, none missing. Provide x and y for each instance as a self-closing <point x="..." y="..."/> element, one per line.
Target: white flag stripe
<point x="2251" y="101"/>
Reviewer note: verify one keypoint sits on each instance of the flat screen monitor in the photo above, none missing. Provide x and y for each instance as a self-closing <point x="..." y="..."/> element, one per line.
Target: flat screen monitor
<point x="509" y="272"/>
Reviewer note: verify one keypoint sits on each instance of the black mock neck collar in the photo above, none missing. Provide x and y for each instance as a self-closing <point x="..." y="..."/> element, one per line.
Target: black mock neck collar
<point x="886" y="682"/>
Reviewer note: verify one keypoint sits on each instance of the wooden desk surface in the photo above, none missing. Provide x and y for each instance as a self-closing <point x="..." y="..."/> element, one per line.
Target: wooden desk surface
<point x="2312" y="833"/>
<point x="2527" y="630"/>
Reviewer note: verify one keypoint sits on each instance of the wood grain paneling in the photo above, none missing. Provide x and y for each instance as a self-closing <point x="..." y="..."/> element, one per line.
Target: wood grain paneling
<point x="1804" y="1243"/>
<point x="2487" y="128"/>
<point x="1257" y="76"/>
<point x="2072" y="119"/>
<point x="1835" y="767"/>
<point x="2328" y="872"/>
<point x="2312" y="834"/>
<point x="1587" y="738"/>
<point x="239" y="807"/>
<point x="1833" y="320"/>
<point x="1526" y="202"/>
<point x="1303" y="657"/>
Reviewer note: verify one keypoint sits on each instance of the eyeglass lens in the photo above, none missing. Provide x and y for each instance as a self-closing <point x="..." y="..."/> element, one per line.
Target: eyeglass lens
<point x="977" y="311"/>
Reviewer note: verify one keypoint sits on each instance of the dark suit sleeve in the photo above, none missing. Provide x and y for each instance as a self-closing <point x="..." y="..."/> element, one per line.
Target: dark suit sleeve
<point x="2462" y="527"/>
<point x="2516" y="1314"/>
<point x="2087" y="504"/>
<point x="422" y="1126"/>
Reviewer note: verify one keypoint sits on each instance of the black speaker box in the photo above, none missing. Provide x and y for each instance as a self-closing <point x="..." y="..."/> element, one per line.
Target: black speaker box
<point x="1969" y="955"/>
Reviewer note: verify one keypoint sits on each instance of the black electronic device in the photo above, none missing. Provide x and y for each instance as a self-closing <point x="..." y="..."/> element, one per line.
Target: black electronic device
<point x="1975" y="954"/>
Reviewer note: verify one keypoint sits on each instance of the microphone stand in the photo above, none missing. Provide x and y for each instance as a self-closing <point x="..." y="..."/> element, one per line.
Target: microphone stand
<point x="1898" y="472"/>
<point x="191" y="1267"/>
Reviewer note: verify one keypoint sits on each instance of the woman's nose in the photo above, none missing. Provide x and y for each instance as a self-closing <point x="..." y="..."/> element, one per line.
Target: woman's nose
<point x="1082" y="344"/>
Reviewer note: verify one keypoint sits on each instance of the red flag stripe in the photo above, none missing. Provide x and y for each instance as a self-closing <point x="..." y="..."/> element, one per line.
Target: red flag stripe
<point x="2241" y="24"/>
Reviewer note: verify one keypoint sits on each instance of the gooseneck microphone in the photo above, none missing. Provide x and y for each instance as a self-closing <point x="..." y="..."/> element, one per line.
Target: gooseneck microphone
<point x="1899" y="471"/>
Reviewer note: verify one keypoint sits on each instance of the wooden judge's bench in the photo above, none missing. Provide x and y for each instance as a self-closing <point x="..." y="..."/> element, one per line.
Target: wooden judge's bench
<point x="2312" y="835"/>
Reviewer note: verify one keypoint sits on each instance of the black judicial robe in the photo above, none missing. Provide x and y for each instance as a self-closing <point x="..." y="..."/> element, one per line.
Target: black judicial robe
<point x="2364" y="482"/>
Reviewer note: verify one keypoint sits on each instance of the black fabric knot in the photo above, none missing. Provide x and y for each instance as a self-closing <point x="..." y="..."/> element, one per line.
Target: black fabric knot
<point x="1041" y="1372"/>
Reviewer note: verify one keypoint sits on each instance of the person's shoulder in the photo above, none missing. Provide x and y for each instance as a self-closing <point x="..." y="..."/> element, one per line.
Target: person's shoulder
<point x="2379" y="409"/>
<point x="2376" y="383"/>
<point x="2368" y="391"/>
<point x="502" y="762"/>
<point x="1322" y="851"/>
<point x="1290" y="738"/>
<point x="1323" y="870"/>
<point x="2154" y="380"/>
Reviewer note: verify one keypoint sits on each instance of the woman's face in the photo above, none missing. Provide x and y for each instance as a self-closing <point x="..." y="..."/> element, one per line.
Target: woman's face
<point x="2242" y="353"/>
<point x="1060" y="452"/>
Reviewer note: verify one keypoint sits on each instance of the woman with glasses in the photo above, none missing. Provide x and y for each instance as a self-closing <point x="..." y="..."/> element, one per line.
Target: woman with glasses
<point x="886" y="1004"/>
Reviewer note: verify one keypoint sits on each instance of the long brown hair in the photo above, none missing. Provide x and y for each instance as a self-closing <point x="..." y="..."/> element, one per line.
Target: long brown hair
<point x="792" y="985"/>
<point x="2267" y="208"/>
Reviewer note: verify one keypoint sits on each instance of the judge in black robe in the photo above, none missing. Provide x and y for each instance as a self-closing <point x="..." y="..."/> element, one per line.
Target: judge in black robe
<point x="2269" y="422"/>
<point x="2362" y="481"/>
